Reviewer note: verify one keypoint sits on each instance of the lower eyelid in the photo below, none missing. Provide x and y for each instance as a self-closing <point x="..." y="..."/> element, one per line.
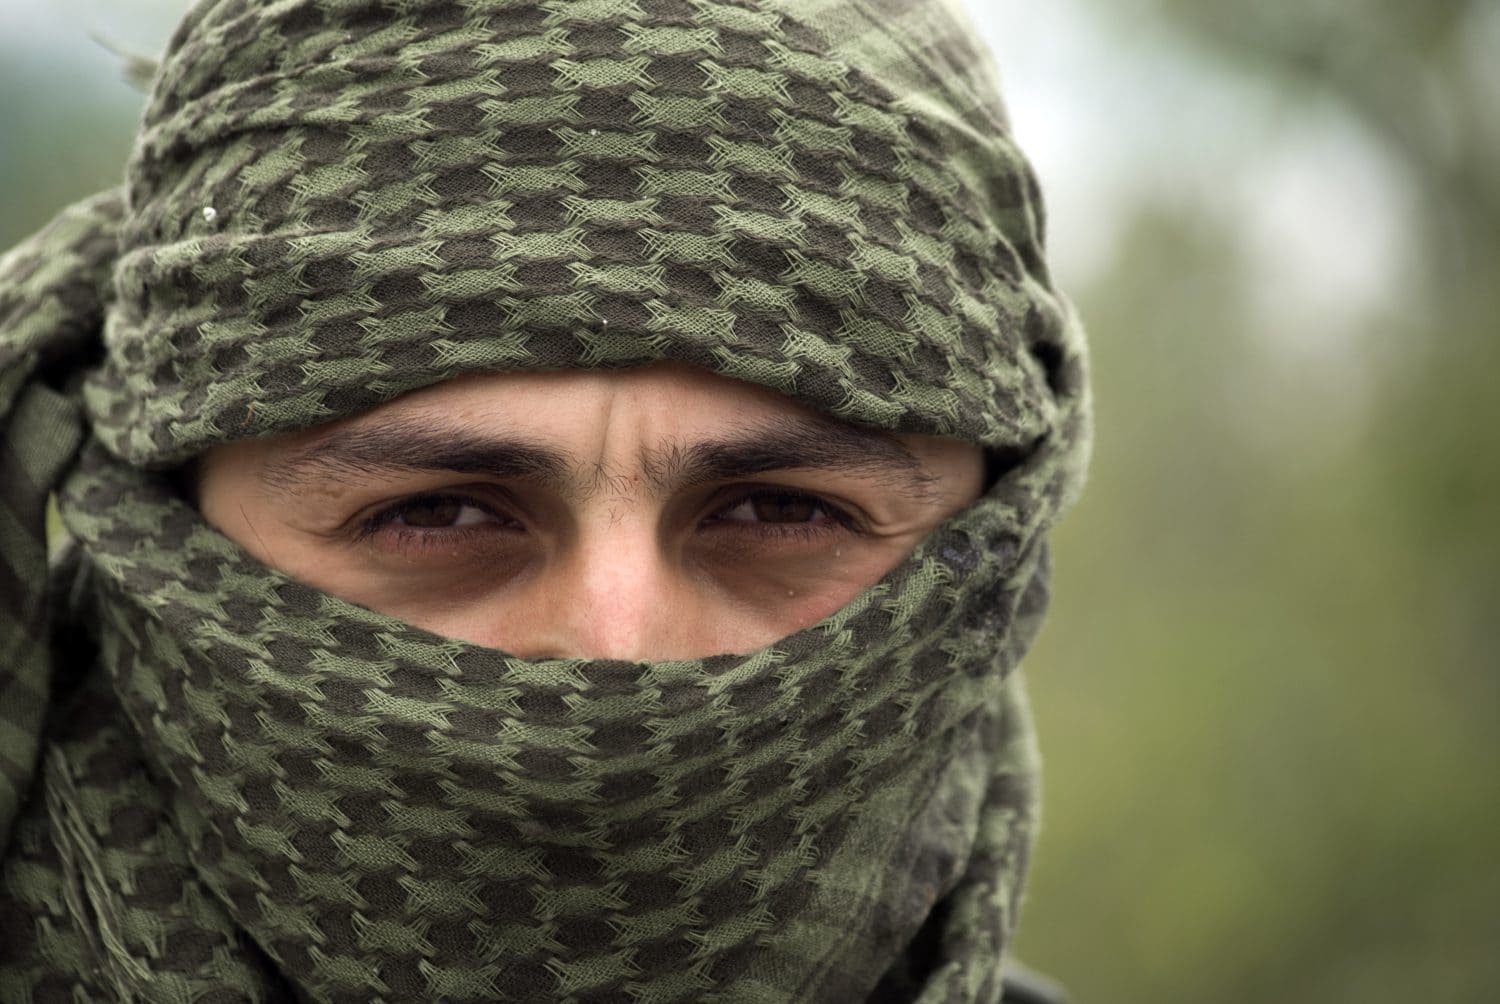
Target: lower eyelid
<point x="779" y="532"/>
<point x="483" y="540"/>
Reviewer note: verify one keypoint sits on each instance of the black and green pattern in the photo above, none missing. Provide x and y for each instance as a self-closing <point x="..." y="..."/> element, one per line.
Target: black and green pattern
<point x="396" y="200"/>
<point x="220" y="784"/>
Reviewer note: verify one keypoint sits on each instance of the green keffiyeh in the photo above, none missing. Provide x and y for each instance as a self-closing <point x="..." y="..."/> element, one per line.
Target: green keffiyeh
<point x="218" y="784"/>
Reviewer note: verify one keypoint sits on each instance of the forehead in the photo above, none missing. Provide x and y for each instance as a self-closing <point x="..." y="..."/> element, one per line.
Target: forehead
<point x="593" y="416"/>
<point x="664" y="426"/>
<point x="665" y="397"/>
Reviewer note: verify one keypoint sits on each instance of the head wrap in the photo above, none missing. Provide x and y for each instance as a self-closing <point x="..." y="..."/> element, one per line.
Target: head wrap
<point x="217" y="783"/>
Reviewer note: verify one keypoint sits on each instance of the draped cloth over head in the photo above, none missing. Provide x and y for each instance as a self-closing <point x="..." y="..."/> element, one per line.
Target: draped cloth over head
<point x="217" y="783"/>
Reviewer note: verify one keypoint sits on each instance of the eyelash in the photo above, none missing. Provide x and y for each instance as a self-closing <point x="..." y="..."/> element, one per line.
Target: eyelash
<point x="410" y="538"/>
<point x="837" y="519"/>
<point x="415" y="538"/>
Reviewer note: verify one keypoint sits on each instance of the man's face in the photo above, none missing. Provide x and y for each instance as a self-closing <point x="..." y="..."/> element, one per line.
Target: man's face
<point x="655" y="513"/>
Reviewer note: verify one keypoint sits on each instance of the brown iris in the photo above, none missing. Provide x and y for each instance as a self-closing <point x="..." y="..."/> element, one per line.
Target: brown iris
<point x="784" y="507"/>
<point x="436" y="512"/>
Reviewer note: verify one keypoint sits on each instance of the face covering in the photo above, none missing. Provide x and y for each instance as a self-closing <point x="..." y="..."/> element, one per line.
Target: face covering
<point x="219" y="784"/>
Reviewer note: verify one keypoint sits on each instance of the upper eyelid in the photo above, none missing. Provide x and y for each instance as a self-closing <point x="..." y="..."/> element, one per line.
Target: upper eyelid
<point x="721" y="498"/>
<point x="386" y="514"/>
<point x="842" y="518"/>
<point x="411" y="501"/>
<point x="846" y="514"/>
<point x="749" y="492"/>
<point x="468" y="498"/>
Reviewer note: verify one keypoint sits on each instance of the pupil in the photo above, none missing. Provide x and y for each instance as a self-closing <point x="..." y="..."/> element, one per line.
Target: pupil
<point x="437" y="512"/>
<point x="784" y="508"/>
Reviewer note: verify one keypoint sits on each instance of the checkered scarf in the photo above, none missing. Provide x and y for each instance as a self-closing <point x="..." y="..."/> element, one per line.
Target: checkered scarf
<point x="219" y="784"/>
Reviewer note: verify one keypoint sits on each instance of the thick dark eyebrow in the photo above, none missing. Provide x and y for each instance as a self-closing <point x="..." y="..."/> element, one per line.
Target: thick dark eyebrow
<point x="790" y="443"/>
<point x="361" y="451"/>
<point x="782" y="444"/>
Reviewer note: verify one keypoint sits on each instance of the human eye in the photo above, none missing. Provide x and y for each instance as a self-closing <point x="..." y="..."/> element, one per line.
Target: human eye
<point x="779" y="512"/>
<point x="455" y="523"/>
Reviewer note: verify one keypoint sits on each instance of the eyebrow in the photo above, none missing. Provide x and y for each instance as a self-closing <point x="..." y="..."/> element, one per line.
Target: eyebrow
<point x="412" y="445"/>
<point x="789" y="443"/>
<point x="783" y="443"/>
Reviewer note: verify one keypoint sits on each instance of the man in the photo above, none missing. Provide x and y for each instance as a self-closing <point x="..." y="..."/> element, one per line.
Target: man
<point x="661" y="512"/>
<point x="559" y="494"/>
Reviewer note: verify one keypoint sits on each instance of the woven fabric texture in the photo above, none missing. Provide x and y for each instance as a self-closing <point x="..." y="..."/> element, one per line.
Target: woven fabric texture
<point x="331" y="205"/>
<point x="219" y="784"/>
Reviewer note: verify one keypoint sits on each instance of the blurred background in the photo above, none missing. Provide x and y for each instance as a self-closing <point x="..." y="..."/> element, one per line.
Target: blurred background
<point x="1268" y="692"/>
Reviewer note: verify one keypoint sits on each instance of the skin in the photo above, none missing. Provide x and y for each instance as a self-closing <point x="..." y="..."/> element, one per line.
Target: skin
<point x="655" y="513"/>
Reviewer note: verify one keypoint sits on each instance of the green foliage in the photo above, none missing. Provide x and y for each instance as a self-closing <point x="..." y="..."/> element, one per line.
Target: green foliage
<point x="1267" y="690"/>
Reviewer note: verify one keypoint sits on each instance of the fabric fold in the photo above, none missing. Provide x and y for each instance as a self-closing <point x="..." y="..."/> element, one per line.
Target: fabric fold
<point x="217" y="783"/>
